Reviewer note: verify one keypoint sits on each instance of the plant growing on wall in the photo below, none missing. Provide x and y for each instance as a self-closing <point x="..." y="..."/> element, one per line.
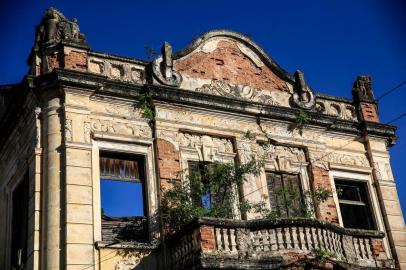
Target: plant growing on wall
<point x="146" y="105"/>
<point x="211" y="192"/>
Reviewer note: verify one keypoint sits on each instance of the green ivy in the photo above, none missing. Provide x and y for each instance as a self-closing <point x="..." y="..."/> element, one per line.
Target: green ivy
<point x="222" y="180"/>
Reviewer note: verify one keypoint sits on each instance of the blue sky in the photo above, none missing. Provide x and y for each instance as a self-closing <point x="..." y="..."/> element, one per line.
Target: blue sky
<point x="330" y="41"/>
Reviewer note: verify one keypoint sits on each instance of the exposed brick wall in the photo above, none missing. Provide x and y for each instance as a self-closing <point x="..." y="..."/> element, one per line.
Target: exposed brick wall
<point x="208" y="242"/>
<point x="228" y="63"/>
<point x="326" y="210"/>
<point x="76" y="60"/>
<point x="54" y="60"/>
<point x="168" y="163"/>
<point x="369" y="112"/>
<point x="377" y="247"/>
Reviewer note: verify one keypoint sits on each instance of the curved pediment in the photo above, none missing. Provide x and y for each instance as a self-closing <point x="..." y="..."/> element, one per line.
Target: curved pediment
<point x="225" y="63"/>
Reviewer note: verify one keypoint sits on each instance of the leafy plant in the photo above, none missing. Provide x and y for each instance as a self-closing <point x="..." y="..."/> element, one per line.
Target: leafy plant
<point x="250" y="135"/>
<point x="146" y="105"/>
<point x="302" y="119"/>
<point x="150" y="52"/>
<point x="322" y="255"/>
<point x="182" y="203"/>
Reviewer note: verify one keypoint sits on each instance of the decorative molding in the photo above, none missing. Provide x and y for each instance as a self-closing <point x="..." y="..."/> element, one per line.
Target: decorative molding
<point x="221" y="88"/>
<point x="122" y="128"/>
<point x="87" y="132"/>
<point x="116" y="70"/>
<point x="322" y="159"/>
<point x="68" y="130"/>
<point x="340" y="110"/>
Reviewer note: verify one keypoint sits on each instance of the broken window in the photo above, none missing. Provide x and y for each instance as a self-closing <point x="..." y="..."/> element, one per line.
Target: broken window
<point x="19" y="225"/>
<point x="285" y="194"/>
<point x="354" y="205"/>
<point x="123" y="204"/>
<point x="197" y="170"/>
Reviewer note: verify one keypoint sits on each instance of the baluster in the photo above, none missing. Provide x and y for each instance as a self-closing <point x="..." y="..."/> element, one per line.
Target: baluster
<point x="325" y="238"/>
<point x="218" y="238"/>
<point x="308" y="235"/>
<point x="279" y="238"/>
<point x="368" y="248"/>
<point x="266" y="240"/>
<point x="362" y="248"/>
<point x="288" y="237"/>
<point x="225" y="239"/>
<point x="295" y="237"/>
<point x="356" y="247"/>
<point x="302" y="244"/>
<point x="232" y="240"/>
<point x="272" y="240"/>
<point x="314" y="237"/>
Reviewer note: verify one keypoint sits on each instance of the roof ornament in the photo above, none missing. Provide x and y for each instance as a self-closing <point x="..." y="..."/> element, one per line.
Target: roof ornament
<point x="302" y="97"/>
<point x="162" y="67"/>
<point x="55" y="27"/>
<point x="362" y="89"/>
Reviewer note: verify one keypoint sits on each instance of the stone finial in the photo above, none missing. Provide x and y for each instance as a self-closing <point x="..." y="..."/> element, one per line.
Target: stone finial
<point x="362" y="89"/>
<point x="302" y="97"/>
<point x="163" y="70"/>
<point x="167" y="62"/>
<point x="55" y="27"/>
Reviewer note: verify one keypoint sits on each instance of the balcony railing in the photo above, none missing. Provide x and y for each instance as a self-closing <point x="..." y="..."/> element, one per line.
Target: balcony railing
<point x="236" y="244"/>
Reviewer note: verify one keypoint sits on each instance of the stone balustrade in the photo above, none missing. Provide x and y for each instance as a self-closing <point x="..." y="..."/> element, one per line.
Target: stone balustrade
<point x="209" y="242"/>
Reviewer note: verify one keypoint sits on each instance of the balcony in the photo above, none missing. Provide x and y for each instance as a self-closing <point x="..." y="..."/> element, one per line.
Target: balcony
<point x="209" y="243"/>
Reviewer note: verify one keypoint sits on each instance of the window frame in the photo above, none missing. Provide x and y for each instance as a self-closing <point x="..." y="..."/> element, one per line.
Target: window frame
<point x="367" y="204"/>
<point x="281" y="173"/>
<point x="125" y="147"/>
<point x="142" y="179"/>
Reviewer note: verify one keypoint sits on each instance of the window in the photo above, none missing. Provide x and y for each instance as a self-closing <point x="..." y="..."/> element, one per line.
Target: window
<point x="19" y="225"/>
<point x="285" y="194"/>
<point x="122" y="184"/>
<point x="196" y="168"/>
<point x="354" y="205"/>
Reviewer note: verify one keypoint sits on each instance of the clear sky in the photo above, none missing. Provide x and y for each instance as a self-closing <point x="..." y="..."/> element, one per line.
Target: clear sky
<point x="330" y="41"/>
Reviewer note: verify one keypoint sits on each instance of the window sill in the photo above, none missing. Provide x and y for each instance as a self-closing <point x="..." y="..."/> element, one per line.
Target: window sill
<point x="127" y="245"/>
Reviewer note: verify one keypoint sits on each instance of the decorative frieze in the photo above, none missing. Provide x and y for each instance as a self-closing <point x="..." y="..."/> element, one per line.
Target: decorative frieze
<point x="68" y="130"/>
<point x="121" y="128"/>
<point x="340" y="110"/>
<point x="322" y="159"/>
<point x="117" y="70"/>
<point x="221" y="88"/>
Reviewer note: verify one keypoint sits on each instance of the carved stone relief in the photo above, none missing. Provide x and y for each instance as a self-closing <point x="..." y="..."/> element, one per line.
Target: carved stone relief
<point x="87" y="132"/>
<point x="122" y="128"/>
<point x="322" y="159"/>
<point x="221" y="88"/>
<point x="116" y="70"/>
<point x="207" y="147"/>
<point x="337" y="109"/>
<point x="282" y="157"/>
<point x="68" y="130"/>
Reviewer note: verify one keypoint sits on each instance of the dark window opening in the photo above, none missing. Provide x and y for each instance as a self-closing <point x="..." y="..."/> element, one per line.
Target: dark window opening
<point x="123" y="200"/>
<point x="19" y="225"/>
<point x="354" y="205"/>
<point x="197" y="169"/>
<point x="285" y="194"/>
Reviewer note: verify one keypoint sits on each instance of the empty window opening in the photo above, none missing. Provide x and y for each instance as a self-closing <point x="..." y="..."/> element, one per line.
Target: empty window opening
<point x="197" y="169"/>
<point x="354" y="205"/>
<point x="123" y="201"/>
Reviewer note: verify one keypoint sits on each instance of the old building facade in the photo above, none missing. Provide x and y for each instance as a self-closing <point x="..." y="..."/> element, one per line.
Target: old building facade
<point x="86" y="134"/>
